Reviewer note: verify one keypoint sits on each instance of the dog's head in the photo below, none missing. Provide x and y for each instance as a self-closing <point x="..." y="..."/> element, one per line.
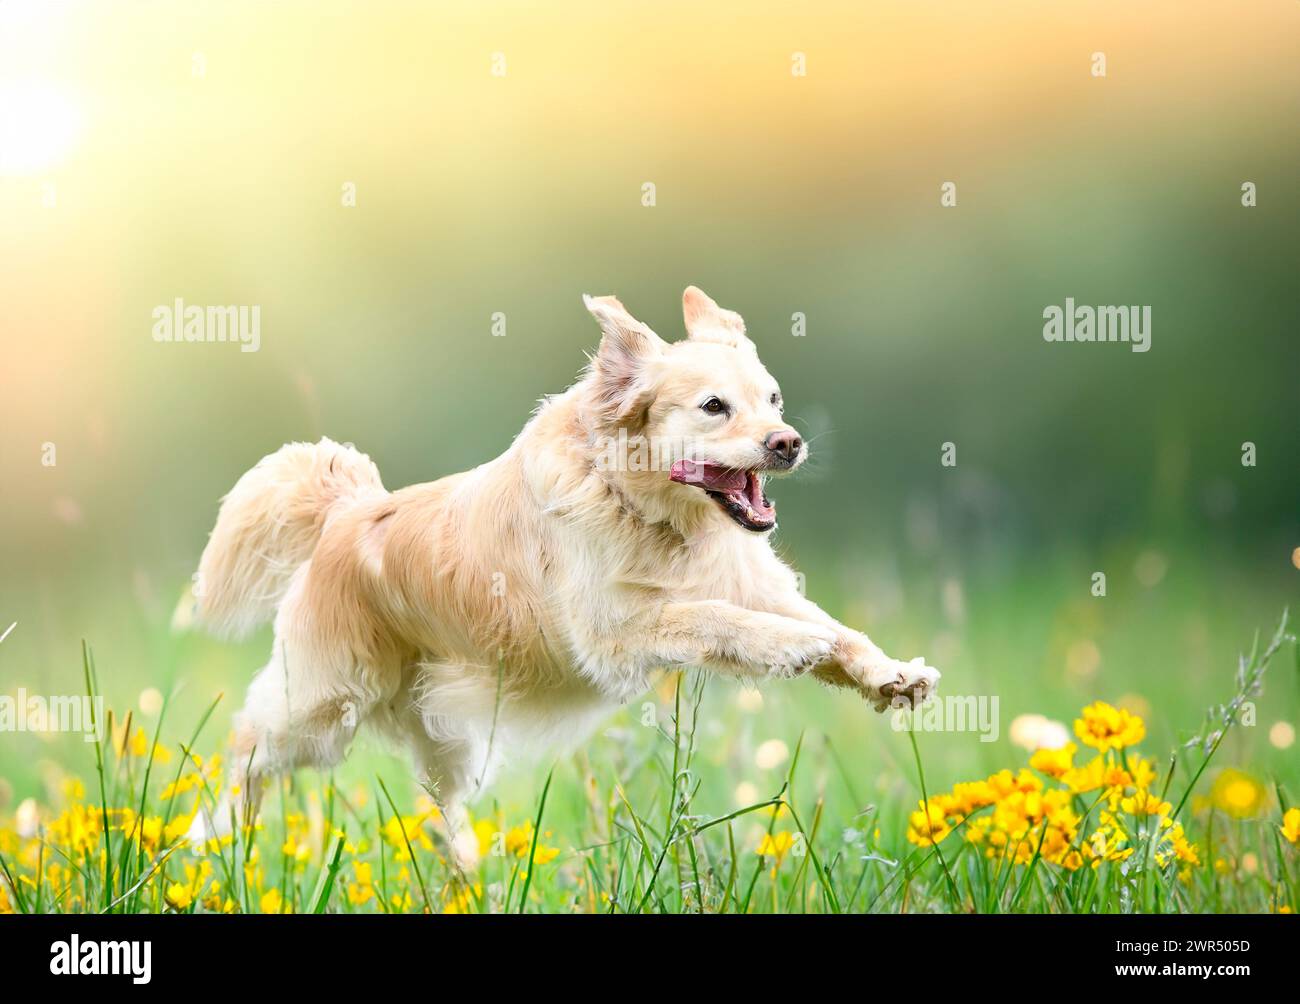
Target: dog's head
<point x="694" y="428"/>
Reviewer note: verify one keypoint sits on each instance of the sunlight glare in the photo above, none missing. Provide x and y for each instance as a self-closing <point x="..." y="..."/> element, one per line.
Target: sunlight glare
<point x="39" y="125"/>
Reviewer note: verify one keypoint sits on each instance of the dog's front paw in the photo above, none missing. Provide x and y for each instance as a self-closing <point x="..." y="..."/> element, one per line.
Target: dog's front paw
<point x="893" y="683"/>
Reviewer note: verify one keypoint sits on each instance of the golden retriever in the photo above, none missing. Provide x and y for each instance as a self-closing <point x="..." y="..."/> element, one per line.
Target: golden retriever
<point x="512" y="606"/>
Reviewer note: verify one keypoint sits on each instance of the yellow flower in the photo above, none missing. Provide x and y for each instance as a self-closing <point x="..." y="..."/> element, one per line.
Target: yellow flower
<point x="151" y="831"/>
<point x="363" y="889"/>
<point x="1145" y="804"/>
<point x="1104" y="727"/>
<point x="76" y="830"/>
<point x="775" y="845"/>
<point x="137" y="745"/>
<point x="544" y="855"/>
<point x="196" y="876"/>
<point x="1238" y="794"/>
<point x="398" y="832"/>
<point x="519" y="839"/>
<point x="212" y="900"/>
<point x="1143" y="774"/>
<point x="968" y="797"/>
<point x="1117" y="777"/>
<point x="1291" y="825"/>
<point x="485" y="830"/>
<point x="401" y="902"/>
<point x="273" y="902"/>
<point x="297" y="849"/>
<point x="176" y="829"/>
<point x="461" y="901"/>
<point x="1089" y="777"/>
<point x="1059" y="810"/>
<point x="924" y="831"/>
<point x="178" y="896"/>
<point x="1185" y="851"/>
<point x="173" y="788"/>
<point x="1054" y="763"/>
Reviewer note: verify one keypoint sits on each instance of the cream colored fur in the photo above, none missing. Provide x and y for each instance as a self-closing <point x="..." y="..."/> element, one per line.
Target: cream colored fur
<point x="512" y="606"/>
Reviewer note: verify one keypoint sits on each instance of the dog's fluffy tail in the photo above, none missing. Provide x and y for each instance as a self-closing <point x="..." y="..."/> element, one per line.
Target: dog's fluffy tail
<point x="268" y="526"/>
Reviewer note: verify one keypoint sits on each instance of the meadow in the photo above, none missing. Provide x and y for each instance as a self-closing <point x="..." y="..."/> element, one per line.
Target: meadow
<point x="415" y="232"/>
<point x="1174" y="792"/>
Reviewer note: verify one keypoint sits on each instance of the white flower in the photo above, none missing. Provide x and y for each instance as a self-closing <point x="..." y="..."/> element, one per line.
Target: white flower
<point x="771" y="754"/>
<point x="1036" y="732"/>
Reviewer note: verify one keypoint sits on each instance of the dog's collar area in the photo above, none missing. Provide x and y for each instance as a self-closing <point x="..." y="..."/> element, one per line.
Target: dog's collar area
<point x="632" y="510"/>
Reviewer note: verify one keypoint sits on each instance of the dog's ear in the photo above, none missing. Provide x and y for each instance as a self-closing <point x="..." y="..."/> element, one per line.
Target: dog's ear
<point x="707" y="322"/>
<point x="627" y="346"/>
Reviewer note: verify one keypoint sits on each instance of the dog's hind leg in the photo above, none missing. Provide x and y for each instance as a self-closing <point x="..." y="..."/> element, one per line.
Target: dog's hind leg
<point x="449" y="765"/>
<point x="302" y="709"/>
<point x="447" y="717"/>
<point x="450" y="771"/>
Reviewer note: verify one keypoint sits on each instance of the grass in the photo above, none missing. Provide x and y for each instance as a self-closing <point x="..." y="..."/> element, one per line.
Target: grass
<point x="638" y="834"/>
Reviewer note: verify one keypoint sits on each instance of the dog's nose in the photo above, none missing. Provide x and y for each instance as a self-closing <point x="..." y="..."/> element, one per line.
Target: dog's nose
<point x="785" y="442"/>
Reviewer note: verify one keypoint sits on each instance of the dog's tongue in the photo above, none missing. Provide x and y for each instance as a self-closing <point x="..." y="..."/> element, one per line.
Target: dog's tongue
<point x="740" y="488"/>
<point x="710" y="477"/>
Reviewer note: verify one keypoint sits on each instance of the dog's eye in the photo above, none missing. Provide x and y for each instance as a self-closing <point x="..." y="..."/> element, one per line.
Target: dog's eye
<point x="714" y="407"/>
<point x="776" y="401"/>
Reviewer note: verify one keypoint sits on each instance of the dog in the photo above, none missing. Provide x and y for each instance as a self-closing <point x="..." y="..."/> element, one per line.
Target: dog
<point x="509" y="608"/>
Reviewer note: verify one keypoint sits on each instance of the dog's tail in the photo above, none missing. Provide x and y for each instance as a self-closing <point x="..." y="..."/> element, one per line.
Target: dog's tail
<point x="269" y="525"/>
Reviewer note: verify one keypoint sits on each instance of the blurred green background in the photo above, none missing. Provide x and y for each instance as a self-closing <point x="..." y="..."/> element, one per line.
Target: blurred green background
<point x="201" y="151"/>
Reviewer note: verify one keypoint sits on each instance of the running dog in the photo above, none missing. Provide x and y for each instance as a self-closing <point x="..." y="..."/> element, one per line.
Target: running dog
<point x="512" y="606"/>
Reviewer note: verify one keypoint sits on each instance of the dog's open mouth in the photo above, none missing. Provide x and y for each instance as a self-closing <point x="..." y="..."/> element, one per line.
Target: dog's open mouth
<point x="739" y="493"/>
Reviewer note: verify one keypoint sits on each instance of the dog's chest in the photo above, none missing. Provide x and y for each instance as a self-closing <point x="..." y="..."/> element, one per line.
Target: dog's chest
<point x="724" y="568"/>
